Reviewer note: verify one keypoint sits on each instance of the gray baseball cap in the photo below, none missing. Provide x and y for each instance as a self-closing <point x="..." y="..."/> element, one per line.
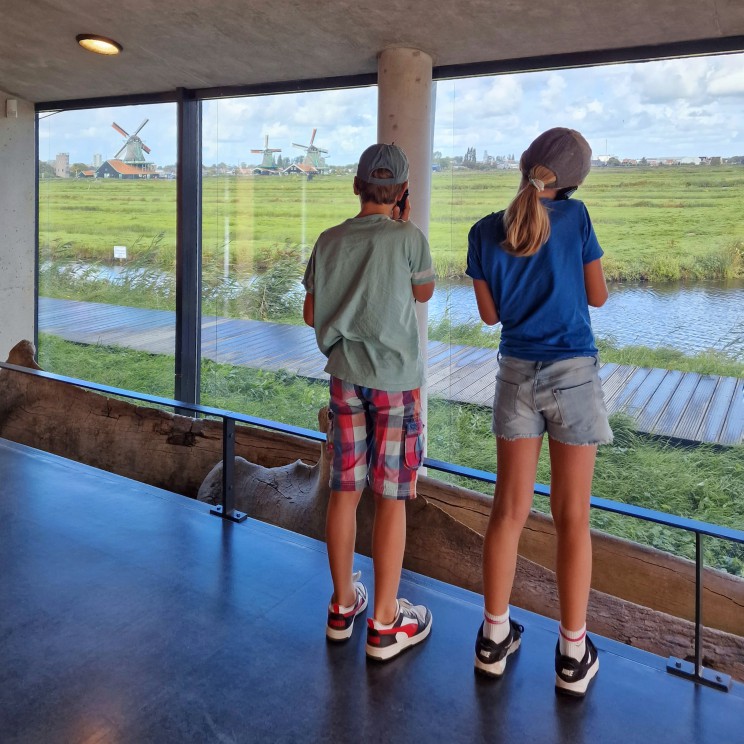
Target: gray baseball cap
<point x="383" y="156"/>
<point x="564" y="151"/>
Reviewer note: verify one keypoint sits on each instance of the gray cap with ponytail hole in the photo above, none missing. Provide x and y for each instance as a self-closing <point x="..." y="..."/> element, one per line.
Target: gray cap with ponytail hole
<point x="563" y="151"/>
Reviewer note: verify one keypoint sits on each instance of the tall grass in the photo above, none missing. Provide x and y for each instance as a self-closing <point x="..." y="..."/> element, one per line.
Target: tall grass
<point x="703" y="363"/>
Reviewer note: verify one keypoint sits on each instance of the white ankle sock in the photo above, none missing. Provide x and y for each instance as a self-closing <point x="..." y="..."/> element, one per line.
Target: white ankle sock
<point x="496" y="627"/>
<point x="385" y="626"/>
<point x="572" y="643"/>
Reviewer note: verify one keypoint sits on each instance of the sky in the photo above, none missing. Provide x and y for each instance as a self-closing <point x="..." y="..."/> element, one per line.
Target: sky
<point x="673" y="108"/>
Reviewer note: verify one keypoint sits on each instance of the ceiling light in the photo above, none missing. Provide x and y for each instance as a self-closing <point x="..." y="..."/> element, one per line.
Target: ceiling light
<point x="98" y="44"/>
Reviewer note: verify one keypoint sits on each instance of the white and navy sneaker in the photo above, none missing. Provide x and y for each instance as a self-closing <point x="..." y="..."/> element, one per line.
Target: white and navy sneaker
<point x="412" y="625"/>
<point x="572" y="677"/>
<point x="490" y="657"/>
<point x="340" y="623"/>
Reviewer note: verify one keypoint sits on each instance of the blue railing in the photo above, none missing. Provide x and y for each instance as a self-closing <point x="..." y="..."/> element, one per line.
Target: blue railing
<point x="227" y="510"/>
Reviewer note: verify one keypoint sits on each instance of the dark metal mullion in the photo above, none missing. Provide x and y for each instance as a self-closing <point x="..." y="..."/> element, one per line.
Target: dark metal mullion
<point x="188" y="249"/>
<point x="591" y="58"/>
<point x="36" y="235"/>
<point x="136" y="99"/>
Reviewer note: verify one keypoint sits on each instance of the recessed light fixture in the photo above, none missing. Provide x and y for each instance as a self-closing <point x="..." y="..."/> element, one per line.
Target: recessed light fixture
<point x="98" y="44"/>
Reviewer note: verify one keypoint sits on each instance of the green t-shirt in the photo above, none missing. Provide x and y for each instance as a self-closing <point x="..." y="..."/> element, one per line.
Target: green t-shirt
<point x="360" y="275"/>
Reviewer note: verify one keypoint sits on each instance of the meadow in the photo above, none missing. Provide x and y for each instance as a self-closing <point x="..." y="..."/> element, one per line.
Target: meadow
<point x="661" y="224"/>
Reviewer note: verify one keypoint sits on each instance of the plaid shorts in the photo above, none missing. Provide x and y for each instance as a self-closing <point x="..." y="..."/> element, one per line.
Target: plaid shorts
<point x="375" y="437"/>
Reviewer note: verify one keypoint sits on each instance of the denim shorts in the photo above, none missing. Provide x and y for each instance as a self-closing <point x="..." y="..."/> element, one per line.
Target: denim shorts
<point x="563" y="398"/>
<point x="375" y="437"/>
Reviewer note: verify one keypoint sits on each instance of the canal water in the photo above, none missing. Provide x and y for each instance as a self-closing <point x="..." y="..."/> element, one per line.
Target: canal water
<point x="688" y="317"/>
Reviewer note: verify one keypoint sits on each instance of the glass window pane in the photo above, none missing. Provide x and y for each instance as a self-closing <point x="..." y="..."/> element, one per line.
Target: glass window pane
<point x="664" y="195"/>
<point x="107" y="236"/>
<point x="278" y="170"/>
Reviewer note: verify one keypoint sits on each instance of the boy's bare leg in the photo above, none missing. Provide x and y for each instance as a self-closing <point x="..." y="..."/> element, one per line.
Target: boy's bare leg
<point x="388" y="546"/>
<point x="340" y="539"/>
<point x="572" y="468"/>
<point x="515" y="484"/>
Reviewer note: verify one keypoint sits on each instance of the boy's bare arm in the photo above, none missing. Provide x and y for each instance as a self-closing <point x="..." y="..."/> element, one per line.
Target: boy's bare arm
<point x="422" y="292"/>
<point x="308" y="310"/>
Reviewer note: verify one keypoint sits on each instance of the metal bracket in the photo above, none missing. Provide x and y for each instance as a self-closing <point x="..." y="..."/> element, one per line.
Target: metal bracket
<point x="234" y="515"/>
<point x="704" y="676"/>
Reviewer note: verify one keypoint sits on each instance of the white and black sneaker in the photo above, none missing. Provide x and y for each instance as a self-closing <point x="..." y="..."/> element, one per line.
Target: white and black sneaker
<point x="572" y="677"/>
<point x="490" y="657"/>
<point x="412" y="625"/>
<point x="340" y="624"/>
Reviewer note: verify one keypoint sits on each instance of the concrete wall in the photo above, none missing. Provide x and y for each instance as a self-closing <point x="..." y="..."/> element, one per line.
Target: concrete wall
<point x="17" y="225"/>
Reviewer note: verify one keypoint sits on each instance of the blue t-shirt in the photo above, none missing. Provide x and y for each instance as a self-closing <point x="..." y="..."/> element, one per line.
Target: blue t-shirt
<point x="541" y="299"/>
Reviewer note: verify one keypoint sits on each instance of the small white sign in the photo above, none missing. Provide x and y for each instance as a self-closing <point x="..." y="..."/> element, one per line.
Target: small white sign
<point x="120" y="251"/>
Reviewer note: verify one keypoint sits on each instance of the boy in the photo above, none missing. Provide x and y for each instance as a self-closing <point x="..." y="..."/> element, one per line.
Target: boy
<point x="362" y="281"/>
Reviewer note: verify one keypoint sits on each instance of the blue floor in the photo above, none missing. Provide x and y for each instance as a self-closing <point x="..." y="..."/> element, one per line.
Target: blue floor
<point x="129" y="614"/>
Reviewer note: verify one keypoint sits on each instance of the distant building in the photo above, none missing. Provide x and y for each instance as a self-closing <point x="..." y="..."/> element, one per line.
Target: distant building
<point x="302" y="169"/>
<point x="97" y="161"/>
<point x="62" y="165"/>
<point x="120" y="169"/>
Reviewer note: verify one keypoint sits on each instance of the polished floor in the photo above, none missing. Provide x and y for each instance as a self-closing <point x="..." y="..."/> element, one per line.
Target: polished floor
<point x="129" y="614"/>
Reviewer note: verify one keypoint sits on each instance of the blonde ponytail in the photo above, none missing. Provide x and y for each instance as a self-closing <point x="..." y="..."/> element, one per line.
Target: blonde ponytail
<point x="526" y="219"/>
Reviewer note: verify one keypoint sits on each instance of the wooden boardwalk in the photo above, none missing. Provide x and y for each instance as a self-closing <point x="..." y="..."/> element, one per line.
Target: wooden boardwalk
<point x="682" y="405"/>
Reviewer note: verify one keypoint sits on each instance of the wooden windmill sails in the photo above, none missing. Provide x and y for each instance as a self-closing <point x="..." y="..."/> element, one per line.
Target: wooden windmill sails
<point x="134" y="146"/>
<point x="313" y="153"/>
<point x="268" y="155"/>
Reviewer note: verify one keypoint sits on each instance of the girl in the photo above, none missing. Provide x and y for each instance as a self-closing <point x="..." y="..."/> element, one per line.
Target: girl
<point x="536" y="268"/>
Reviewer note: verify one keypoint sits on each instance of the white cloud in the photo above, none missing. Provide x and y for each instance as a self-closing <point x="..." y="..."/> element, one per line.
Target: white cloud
<point x="727" y="83"/>
<point x="667" y="80"/>
<point x="552" y="94"/>
<point x="682" y="107"/>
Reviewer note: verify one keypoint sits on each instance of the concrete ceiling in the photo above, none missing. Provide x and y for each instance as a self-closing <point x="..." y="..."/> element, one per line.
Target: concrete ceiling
<point x="204" y="43"/>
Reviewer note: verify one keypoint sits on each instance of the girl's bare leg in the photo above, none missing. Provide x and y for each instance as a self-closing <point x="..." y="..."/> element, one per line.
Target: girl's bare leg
<point x="572" y="469"/>
<point x="512" y="500"/>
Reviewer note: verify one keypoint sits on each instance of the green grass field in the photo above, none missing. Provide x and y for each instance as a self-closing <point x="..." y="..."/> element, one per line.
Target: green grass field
<point x="670" y="223"/>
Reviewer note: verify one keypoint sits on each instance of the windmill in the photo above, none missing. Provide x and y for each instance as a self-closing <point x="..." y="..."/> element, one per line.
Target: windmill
<point x="268" y="155"/>
<point x="133" y="145"/>
<point x="313" y="155"/>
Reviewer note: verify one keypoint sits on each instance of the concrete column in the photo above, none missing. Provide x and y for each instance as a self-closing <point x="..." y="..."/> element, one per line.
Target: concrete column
<point x="17" y="222"/>
<point x="405" y="116"/>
